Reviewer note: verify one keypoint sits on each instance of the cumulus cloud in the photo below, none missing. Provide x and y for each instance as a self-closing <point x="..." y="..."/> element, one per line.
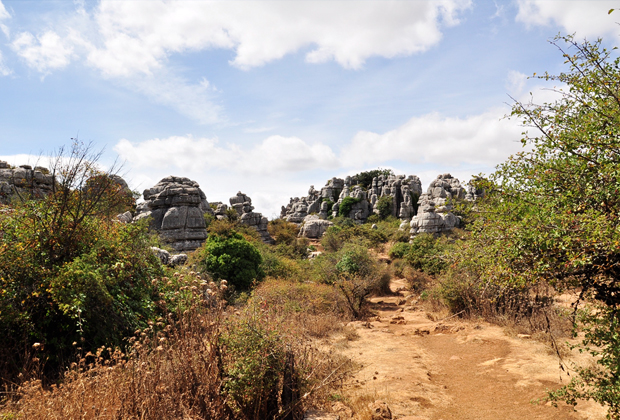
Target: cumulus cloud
<point x="132" y="41"/>
<point x="139" y="36"/>
<point x="586" y="18"/>
<point x="275" y="154"/>
<point x="484" y="139"/>
<point x="45" y="52"/>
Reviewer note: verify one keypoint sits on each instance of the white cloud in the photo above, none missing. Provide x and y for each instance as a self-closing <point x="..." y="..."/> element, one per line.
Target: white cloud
<point x="139" y="36"/>
<point x="275" y="154"/>
<point x="45" y="52"/>
<point x="4" y="70"/>
<point x="485" y="139"/>
<point x="515" y="82"/>
<point x="3" y="12"/>
<point x="4" y="15"/>
<point x="132" y="41"/>
<point x="586" y="18"/>
<point x="195" y="101"/>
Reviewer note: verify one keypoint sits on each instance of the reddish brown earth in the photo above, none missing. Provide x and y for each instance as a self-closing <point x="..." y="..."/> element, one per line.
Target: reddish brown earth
<point x="450" y="369"/>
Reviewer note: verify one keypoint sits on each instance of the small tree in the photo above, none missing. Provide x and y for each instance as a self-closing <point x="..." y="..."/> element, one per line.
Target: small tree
<point x="231" y="258"/>
<point x="551" y="213"/>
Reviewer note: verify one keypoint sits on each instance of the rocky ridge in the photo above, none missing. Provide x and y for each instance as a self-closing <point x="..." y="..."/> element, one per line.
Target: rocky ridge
<point x="24" y="182"/>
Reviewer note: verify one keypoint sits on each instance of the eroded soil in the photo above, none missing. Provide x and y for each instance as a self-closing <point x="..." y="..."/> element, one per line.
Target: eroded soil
<point x="450" y="369"/>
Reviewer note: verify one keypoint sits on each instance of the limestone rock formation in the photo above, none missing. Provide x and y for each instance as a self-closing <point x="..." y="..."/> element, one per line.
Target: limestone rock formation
<point x="434" y="206"/>
<point x="361" y="209"/>
<point x="167" y="259"/>
<point x="176" y="206"/>
<point x="403" y="190"/>
<point x="243" y="206"/>
<point x="314" y="227"/>
<point x="24" y="182"/>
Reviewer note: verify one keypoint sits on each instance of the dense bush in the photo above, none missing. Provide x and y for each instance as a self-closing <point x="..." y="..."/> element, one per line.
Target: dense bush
<point x="232" y="258"/>
<point x="355" y="272"/>
<point x="202" y="366"/>
<point x="365" y="178"/>
<point x="427" y="253"/>
<point x="68" y="273"/>
<point x="346" y="206"/>
<point x="287" y="243"/>
<point x="385" y="206"/>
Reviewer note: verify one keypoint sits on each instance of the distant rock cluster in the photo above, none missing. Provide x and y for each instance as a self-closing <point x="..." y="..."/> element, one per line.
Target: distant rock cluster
<point x="24" y="182"/>
<point x="434" y="207"/>
<point x="429" y="212"/>
<point x="402" y="190"/>
<point x="177" y="207"/>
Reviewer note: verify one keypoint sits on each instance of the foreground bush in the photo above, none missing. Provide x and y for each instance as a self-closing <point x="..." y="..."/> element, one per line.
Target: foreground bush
<point x="231" y="258"/>
<point x="206" y="365"/>
<point x="68" y="273"/>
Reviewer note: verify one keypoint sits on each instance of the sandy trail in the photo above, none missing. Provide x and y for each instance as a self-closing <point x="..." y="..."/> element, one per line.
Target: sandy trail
<point x="449" y="370"/>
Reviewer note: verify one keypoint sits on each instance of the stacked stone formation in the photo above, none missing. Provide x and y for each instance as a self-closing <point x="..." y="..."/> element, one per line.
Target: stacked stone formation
<point x="360" y="210"/>
<point x="24" y="181"/>
<point x="434" y="206"/>
<point x="177" y="206"/>
<point x="403" y="190"/>
<point x="243" y="206"/>
<point x="219" y="210"/>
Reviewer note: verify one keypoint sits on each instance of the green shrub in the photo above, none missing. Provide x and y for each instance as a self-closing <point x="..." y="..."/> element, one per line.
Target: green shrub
<point x="365" y="178"/>
<point x="253" y="358"/>
<point x="95" y="291"/>
<point x="232" y="258"/>
<point x="346" y="206"/>
<point x="426" y="253"/>
<point x="385" y="206"/>
<point x="399" y="250"/>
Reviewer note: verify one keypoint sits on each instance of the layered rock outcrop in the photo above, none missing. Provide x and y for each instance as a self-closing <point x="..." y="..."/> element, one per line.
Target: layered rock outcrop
<point x="404" y="191"/>
<point x="364" y="199"/>
<point x="177" y="206"/>
<point x="243" y="206"/>
<point x="434" y="207"/>
<point x="24" y="182"/>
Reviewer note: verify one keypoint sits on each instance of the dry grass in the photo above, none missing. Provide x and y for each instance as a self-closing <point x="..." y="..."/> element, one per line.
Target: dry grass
<point x="181" y="369"/>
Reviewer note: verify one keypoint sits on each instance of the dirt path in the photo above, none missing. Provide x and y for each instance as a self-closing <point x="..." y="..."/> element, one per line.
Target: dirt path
<point x="449" y="370"/>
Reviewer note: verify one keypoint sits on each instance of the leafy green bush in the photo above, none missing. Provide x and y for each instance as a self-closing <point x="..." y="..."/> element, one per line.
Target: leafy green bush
<point x="354" y="272"/>
<point x="94" y="292"/>
<point x="232" y="258"/>
<point x="68" y="272"/>
<point x="385" y="206"/>
<point x="253" y="357"/>
<point x="426" y="253"/>
<point x="399" y="250"/>
<point x="365" y="178"/>
<point x="346" y="206"/>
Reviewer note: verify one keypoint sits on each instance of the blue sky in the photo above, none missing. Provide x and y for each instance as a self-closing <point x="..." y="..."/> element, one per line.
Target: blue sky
<point x="271" y="97"/>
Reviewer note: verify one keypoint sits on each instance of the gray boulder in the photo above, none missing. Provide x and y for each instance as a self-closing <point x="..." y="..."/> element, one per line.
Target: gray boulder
<point x="177" y="206"/>
<point x="314" y="228"/>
